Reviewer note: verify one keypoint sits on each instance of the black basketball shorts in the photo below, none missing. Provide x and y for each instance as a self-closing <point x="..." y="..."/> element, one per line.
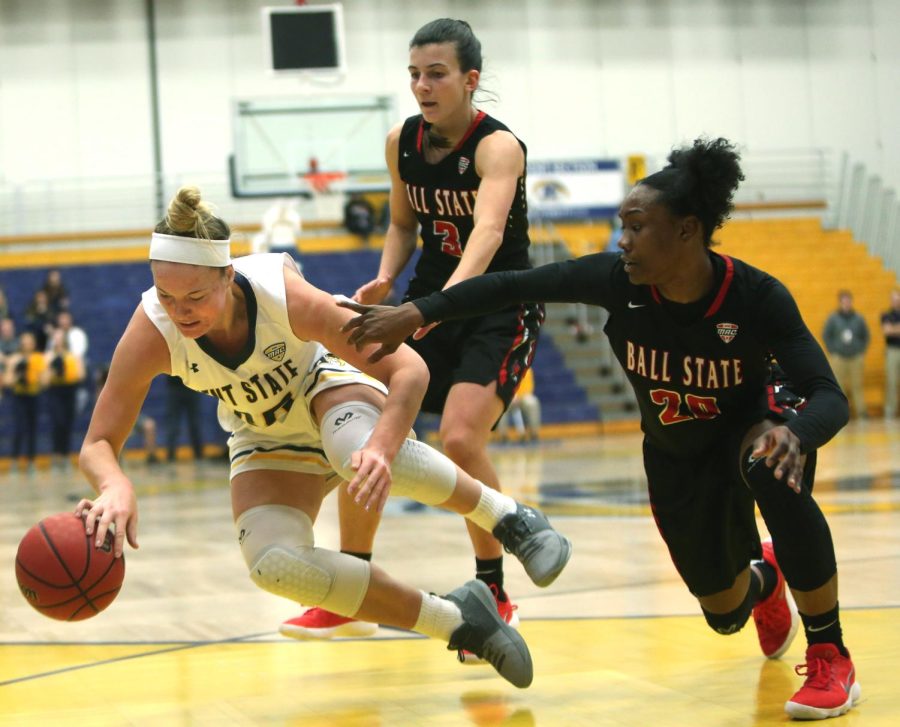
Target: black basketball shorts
<point x="704" y="510"/>
<point x="496" y="347"/>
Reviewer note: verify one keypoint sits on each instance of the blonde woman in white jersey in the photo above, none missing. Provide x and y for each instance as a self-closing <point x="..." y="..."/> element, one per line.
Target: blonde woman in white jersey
<point x="267" y="344"/>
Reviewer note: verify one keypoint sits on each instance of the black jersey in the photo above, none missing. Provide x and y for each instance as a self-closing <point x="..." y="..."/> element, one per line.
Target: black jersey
<point x="443" y="197"/>
<point x="699" y="370"/>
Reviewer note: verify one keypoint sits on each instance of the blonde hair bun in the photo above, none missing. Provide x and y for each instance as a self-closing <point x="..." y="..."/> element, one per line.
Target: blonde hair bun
<point x="187" y="212"/>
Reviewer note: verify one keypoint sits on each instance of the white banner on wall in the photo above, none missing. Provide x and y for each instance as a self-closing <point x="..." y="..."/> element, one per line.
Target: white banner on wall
<point x="577" y="188"/>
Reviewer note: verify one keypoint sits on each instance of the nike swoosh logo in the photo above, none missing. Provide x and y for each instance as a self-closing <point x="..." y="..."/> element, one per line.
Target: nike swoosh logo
<point x="636" y="305"/>
<point x="813" y="629"/>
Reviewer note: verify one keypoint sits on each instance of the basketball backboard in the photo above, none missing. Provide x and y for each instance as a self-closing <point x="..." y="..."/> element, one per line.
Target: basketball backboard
<point x="278" y="142"/>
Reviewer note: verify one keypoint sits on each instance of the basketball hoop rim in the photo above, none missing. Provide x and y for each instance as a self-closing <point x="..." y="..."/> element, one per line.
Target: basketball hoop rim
<point x="320" y="182"/>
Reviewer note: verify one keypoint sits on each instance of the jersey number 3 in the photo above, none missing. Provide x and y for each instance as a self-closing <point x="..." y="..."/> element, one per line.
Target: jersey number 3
<point x="700" y="407"/>
<point x="449" y="233"/>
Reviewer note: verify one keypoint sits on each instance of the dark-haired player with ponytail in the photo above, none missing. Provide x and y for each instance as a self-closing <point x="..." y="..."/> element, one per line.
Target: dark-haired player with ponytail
<point x="457" y="174"/>
<point x="695" y="332"/>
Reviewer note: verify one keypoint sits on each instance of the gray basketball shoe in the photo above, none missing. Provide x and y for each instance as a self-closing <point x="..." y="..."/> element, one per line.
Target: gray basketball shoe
<point x="485" y="633"/>
<point x="528" y="535"/>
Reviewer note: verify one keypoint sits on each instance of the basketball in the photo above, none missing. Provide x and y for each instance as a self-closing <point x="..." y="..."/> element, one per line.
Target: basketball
<point x="60" y="572"/>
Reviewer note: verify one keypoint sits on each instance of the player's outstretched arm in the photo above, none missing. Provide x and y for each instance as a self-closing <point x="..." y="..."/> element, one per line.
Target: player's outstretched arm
<point x="388" y="325"/>
<point x="140" y="355"/>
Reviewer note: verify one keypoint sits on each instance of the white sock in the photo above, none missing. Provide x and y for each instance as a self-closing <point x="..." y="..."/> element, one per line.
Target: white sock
<point x="491" y="508"/>
<point x="438" y="618"/>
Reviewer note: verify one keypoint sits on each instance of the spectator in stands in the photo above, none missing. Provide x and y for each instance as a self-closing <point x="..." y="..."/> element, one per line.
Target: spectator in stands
<point x="57" y="295"/>
<point x="77" y="344"/>
<point x="145" y="425"/>
<point x="846" y="338"/>
<point x="4" y="304"/>
<point x="39" y="319"/>
<point x="890" y="326"/>
<point x="63" y="376"/>
<point x="182" y="404"/>
<point x="24" y="376"/>
<point x="524" y="412"/>
<point x="9" y="343"/>
<point x="722" y="435"/>
<point x="359" y="217"/>
<point x="281" y="226"/>
<point x="76" y="338"/>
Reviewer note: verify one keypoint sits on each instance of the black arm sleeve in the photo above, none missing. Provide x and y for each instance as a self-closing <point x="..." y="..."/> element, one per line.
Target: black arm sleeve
<point x="582" y="280"/>
<point x="805" y="364"/>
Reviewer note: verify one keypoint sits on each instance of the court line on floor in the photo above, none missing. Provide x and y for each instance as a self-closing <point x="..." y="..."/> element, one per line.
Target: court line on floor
<point x="115" y="659"/>
<point x="400" y="635"/>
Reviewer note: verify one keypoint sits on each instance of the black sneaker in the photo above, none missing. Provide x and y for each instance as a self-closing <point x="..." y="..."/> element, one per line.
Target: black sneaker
<point x="528" y="535"/>
<point x="485" y="633"/>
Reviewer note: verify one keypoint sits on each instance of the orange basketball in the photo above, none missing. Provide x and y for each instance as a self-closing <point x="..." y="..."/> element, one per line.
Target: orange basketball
<point x="62" y="574"/>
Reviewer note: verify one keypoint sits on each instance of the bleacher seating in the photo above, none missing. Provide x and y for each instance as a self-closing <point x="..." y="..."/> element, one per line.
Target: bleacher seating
<point x="815" y="263"/>
<point x="104" y="296"/>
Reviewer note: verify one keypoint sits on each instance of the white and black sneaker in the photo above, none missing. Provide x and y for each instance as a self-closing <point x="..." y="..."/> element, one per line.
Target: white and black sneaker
<point x="484" y="632"/>
<point x="528" y="535"/>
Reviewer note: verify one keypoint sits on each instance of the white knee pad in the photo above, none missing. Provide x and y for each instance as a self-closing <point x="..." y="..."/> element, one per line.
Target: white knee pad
<point x="277" y="544"/>
<point x="418" y="471"/>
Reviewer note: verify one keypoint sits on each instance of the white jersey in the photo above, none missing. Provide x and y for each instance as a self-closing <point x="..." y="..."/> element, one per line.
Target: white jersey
<point x="267" y="387"/>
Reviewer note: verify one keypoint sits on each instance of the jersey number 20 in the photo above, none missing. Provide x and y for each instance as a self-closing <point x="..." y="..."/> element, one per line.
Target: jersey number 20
<point x="700" y="407"/>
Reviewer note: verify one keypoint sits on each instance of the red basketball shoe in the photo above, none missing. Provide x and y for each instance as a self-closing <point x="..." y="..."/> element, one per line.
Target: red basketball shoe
<point x="830" y="688"/>
<point x="317" y="623"/>
<point x="776" y="618"/>
<point x="507" y="610"/>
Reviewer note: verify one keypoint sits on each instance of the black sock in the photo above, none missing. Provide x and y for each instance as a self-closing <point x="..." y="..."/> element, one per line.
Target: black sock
<point x="361" y="556"/>
<point x="765" y="577"/>
<point x="490" y="572"/>
<point x="825" y="628"/>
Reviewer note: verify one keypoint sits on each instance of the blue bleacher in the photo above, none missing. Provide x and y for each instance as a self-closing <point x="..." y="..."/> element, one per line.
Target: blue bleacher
<point x="103" y="298"/>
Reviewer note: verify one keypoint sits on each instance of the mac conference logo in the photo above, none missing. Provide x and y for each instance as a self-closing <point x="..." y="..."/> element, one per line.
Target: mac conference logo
<point x="727" y="331"/>
<point x="276" y="351"/>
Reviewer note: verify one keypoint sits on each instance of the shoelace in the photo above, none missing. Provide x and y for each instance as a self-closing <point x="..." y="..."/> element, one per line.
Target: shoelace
<point x="770" y="615"/>
<point x="817" y="672"/>
<point x="514" y="535"/>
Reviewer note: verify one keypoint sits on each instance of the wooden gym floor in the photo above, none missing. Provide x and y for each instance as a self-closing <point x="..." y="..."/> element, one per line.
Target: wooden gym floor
<point x="616" y="640"/>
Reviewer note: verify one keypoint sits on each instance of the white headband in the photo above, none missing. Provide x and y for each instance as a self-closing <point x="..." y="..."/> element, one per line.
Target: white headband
<point x="190" y="250"/>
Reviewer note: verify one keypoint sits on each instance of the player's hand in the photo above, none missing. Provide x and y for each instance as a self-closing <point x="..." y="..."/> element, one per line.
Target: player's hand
<point x="371" y="485"/>
<point x="781" y="448"/>
<point x="116" y="506"/>
<point x="388" y="325"/>
<point x="373" y="292"/>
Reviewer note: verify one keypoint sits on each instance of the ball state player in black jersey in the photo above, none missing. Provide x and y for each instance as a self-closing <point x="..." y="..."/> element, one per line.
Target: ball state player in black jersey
<point x="459" y="174"/>
<point x="695" y="331"/>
